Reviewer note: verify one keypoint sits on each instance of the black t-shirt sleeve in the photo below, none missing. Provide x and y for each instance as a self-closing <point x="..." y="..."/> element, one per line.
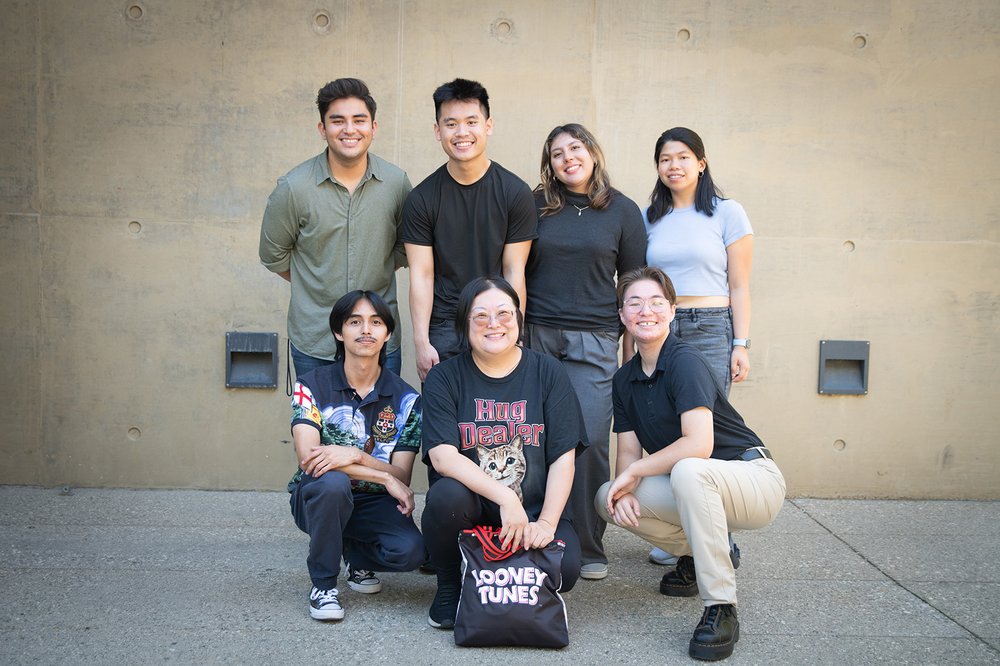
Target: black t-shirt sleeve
<point x="564" y="426"/>
<point x="522" y="222"/>
<point x="440" y="409"/>
<point x="418" y="223"/>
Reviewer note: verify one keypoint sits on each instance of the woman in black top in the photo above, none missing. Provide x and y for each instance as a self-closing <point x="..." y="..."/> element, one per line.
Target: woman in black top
<point x="588" y="233"/>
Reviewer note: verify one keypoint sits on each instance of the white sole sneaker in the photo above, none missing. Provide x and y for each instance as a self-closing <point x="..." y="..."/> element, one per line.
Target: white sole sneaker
<point x="594" y="571"/>
<point x="662" y="557"/>
<point x="326" y="614"/>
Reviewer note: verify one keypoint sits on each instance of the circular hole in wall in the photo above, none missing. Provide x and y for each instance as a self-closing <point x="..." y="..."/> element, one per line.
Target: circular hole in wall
<point x="134" y="228"/>
<point x="503" y="29"/>
<point x="322" y="22"/>
<point x="135" y="11"/>
<point x="683" y="35"/>
<point x="860" y="41"/>
<point x="134" y="434"/>
<point x="848" y="246"/>
<point x="839" y="444"/>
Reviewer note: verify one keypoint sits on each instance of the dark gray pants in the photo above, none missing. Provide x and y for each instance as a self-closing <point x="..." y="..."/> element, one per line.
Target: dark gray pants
<point x="590" y="359"/>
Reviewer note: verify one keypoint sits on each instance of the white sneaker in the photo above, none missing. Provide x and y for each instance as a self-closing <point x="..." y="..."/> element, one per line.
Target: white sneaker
<point x="363" y="581"/>
<point x="325" y="605"/>
<point x="594" y="571"/>
<point x="660" y="556"/>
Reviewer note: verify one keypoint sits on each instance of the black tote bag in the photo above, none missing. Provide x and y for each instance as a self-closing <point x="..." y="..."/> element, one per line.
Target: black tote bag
<point x="510" y="597"/>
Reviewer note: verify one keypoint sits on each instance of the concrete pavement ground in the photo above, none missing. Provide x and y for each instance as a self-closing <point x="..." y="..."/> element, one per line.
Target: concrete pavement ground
<point x="94" y="576"/>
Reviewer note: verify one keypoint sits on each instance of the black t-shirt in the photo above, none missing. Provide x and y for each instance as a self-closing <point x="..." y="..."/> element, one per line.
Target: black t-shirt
<point x="464" y="408"/>
<point x="682" y="381"/>
<point x="468" y="226"/>
<point x="571" y="270"/>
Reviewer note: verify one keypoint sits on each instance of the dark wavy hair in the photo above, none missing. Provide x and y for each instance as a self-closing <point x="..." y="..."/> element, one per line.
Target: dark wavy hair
<point x="342" y="310"/>
<point x="661" y="200"/>
<point x="599" y="190"/>
<point x="340" y="89"/>
<point x="461" y="90"/>
<point x="469" y="294"/>
<point x="646" y="273"/>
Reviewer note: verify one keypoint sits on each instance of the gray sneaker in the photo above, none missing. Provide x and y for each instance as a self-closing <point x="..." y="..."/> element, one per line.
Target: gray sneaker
<point x="594" y="571"/>
<point x="660" y="556"/>
<point x="363" y="581"/>
<point x="325" y="605"/>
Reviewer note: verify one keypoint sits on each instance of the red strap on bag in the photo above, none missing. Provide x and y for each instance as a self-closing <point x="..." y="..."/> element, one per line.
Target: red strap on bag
<point x="489" y="538"/>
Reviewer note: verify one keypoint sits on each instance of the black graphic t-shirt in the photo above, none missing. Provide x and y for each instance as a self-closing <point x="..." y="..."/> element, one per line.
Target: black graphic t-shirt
<point x="465" y="408"/>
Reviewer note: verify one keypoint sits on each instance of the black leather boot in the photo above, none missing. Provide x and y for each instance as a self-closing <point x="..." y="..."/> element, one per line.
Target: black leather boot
<point x="680" y="582"/>
<point x="716" y="635"/>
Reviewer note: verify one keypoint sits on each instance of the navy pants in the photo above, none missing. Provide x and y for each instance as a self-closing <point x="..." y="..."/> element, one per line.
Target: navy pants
<point x="366" y="529"/>
<point x="451" y="508"/>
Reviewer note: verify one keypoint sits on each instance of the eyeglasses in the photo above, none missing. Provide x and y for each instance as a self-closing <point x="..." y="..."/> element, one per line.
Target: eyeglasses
<point x="482" y="319"/>
<point x="656" y="304"/>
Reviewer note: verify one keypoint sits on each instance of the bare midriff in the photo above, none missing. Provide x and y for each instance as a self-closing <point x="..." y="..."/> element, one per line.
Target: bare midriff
<point x="702" y="301"/>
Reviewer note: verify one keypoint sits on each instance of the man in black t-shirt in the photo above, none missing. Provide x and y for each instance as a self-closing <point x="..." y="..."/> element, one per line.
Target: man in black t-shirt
<point x="469" y="218"/>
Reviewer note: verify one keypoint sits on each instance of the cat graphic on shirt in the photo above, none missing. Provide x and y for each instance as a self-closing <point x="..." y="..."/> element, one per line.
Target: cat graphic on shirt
<point x="505" y="463"/>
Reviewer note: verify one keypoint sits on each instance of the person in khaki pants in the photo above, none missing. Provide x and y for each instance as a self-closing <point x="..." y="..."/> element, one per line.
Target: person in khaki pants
<point x="706" y="472"/>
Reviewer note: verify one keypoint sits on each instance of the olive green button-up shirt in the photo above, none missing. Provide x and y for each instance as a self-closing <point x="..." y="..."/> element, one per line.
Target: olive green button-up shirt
<point x="333" y="242"/>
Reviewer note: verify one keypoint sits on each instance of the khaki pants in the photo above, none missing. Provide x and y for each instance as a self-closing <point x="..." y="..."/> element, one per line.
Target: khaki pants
<point x="691" y="510"/>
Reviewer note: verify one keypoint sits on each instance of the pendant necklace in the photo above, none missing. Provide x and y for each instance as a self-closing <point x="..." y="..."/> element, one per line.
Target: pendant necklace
<point x="579" y="211"/>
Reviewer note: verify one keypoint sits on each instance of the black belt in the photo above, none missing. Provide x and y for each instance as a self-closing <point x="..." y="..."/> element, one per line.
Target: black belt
<point x="754" y="453"/>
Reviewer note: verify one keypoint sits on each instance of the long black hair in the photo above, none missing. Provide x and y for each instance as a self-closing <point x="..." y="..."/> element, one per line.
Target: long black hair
<point x="661" y="201"/>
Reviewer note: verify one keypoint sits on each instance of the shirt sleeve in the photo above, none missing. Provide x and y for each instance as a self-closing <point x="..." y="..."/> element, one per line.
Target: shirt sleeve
<point x="398" y="251"/>
<point x="418" y="227"/>
<point x="522" y="217"/>
<point x="304" y="409"/>
<point x="622" y="422"/>
<point x="279" y="229"/>
<point x="632" y="247"/>
<point x="735" y="223"/>
<point x="564" y="426"/>
<point x="691" y="382"/>
<point x="409" y="438"/>
<point x="440" y="401"/>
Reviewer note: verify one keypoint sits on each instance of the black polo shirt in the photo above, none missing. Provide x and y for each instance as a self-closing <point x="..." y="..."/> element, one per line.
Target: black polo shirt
<point x="682" y="381"/>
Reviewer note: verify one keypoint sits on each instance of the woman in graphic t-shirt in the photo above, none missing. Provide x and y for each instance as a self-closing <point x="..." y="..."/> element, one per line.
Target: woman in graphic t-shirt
<point x="501" y="430"/>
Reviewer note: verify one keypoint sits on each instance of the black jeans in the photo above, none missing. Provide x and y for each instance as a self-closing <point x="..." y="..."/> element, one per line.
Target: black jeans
<point x="451" y="508"/>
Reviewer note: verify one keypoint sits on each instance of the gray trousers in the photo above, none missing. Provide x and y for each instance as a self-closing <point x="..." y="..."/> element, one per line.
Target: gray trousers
<point x="690" y="511"/>
<point x="590" y="359"/>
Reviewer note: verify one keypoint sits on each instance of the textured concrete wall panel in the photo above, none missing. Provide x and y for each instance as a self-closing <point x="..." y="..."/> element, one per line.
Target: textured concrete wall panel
<point x="143" y="137"/>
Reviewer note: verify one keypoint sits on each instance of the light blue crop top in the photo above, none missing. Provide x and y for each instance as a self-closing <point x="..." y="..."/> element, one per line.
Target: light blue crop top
<point x="690" y="247"/>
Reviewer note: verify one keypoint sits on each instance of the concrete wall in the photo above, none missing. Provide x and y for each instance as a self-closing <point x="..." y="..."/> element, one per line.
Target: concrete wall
<point x="142" y="138"/>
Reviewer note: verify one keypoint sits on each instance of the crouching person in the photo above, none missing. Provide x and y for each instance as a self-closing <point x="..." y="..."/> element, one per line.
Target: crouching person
<point x="706" y="472"/>
<point x="356" y="430"/>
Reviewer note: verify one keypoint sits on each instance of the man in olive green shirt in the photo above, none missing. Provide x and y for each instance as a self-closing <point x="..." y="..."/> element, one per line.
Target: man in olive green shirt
<point x="331" y="225"/>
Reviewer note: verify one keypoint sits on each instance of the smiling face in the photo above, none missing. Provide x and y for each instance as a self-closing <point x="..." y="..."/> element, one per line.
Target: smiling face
<point x="646" y="311"/>
<point x="348" y="130"/>
<point x="679" y="168"/>
<point x="493" y="326"/>
<point x="462" y="130"/>
<point x="571" y="162"/>
<point x="364" y="332"/>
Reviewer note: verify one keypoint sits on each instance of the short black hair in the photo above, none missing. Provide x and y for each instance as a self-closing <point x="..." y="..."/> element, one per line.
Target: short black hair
<point x="343" y="309"/>
<point x="340" y="89"/>
<point x="469" y="294"/>
<point x="461" y="90"/>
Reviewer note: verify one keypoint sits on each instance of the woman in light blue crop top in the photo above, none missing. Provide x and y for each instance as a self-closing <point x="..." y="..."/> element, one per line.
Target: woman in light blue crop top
<point x="705" y="244"/>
